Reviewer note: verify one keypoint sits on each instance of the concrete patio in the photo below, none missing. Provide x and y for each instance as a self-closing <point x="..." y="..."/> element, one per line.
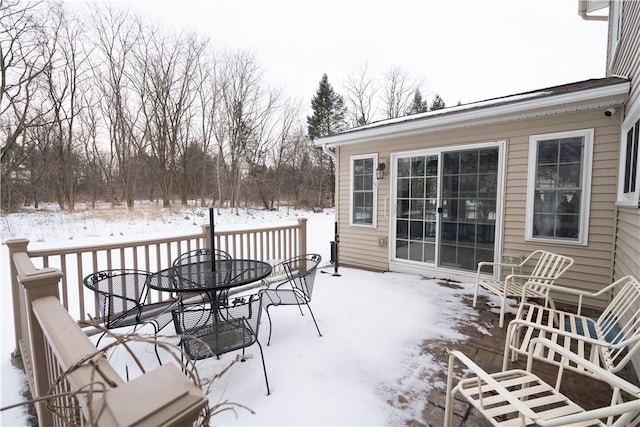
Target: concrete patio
<point x="487" y="351"/>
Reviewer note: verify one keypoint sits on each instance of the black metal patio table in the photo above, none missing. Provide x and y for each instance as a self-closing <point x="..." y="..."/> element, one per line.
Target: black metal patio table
<point x="203" y="277"/>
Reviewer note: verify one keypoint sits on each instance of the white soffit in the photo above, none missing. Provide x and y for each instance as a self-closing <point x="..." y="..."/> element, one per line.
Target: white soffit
<point x="506" y="109"/>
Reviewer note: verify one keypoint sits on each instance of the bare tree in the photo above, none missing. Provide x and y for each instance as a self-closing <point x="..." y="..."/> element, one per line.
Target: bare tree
<point x="398" y="90"/>
<point x="166" y="86"/>
<point x="97" y="173"/>
<point x="117" y="33"/>
<point x="288" y="127"/>
<point x="247" y="108"/>
<point x="361" y="92"/>
<point x="208" y="94"/>
<point x="65" y="77"/>
<point x="23" y="60"/>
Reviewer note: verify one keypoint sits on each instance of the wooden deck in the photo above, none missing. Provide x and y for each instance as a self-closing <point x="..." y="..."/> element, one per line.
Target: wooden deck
<point x="487" y="351"/>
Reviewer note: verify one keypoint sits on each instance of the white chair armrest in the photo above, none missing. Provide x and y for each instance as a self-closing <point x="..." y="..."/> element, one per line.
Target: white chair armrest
<point x="480" y="373"/>
<point x="550" y="329"/>
<point x="611" y="379"/>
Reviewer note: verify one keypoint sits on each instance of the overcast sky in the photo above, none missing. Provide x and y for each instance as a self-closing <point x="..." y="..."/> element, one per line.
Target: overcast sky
<point x="464" y="50"/>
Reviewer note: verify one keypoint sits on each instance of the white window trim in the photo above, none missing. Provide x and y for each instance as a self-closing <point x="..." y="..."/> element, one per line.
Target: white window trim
<point x="616" y="30"/>
<point x="585" y="202"/>
<point x="374" y="224"/>
<point x="628" y="199"/>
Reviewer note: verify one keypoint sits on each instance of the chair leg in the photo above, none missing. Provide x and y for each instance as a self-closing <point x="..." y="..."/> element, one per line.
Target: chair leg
<point x="314" y="319"/>
<point x="475" y="296"/>
<point x="155" y="337"/>
<point x="264" y="367"/>
<point x="507" y="346"/>
<point x="101" y="335"/>
<point x="502" y="308"/>
<point x="268" y="317"/>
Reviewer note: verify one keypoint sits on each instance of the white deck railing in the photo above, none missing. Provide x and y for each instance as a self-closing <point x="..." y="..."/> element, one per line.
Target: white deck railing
<point x="47" y="337"/>
<point x="63" y="366"/>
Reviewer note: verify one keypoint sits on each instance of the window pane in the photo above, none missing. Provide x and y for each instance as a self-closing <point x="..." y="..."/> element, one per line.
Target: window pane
<point x="402" y="229"/>
<point x="547" y="176"/>
<point x="450" y="209"/>
<point x="548" y="152"/>
<point x="362" y="179"/>
<point x="450" y="186"/>
<point x="403" y="208"/>
<point x="416" y="230"/>
<point x="431" y="188"/>
<point x="367" y="183"/>
<point x="368" y="166"/>
<point x="558" y="189"/>
<point x="469" y="162"/>
<point x="403" y="188"/>
<point x="418" y="165"/>
<point x="432" y="166"/>
<point x="404" y="167"/>
<point x="417" y="188"/>
<point x="488" y="186"/>
<point x="417" y="209"/>
<point x="571" y="150"/>
<point x="569" y="176"/>
<point x="451" y="161"/>
<point x="488" y="161"/>
<point x="469" y="186"/>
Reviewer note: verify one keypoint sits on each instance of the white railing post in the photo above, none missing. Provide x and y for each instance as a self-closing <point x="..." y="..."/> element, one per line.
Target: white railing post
<point x="15" y="246"/>
<point x="206" y="231"/>
<point x="302" y="223"/>
<point x="35" y="284"/>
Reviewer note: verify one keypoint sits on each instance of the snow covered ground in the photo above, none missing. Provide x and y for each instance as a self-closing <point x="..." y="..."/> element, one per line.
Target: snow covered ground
<point x="372" y="326"/>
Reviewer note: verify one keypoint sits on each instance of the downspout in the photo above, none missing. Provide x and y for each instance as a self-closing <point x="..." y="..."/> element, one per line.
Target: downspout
<point x="329" y="153"/>
<point x="583" y="11"/>
<point x="336" y="202"/>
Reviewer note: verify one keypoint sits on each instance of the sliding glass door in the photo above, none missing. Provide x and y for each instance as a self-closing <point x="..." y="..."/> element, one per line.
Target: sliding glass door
<point x="446" y="205"/>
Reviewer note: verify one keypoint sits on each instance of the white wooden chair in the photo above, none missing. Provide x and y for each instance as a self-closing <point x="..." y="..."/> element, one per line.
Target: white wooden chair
<point x="519" y="398"/>
<point x="610" y="340"/>
<point x="547" y="267"/>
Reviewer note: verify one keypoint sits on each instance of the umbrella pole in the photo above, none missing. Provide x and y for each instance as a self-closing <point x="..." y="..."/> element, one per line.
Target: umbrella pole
<point x="213" y="239"/>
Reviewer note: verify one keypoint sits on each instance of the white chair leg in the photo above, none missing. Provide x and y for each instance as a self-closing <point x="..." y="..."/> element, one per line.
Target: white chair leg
<point x="475" y="296"/>
<point x="502" y="307"/>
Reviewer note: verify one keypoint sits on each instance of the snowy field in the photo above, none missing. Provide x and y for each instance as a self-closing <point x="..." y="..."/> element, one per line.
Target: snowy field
<point x="372" y="326"/>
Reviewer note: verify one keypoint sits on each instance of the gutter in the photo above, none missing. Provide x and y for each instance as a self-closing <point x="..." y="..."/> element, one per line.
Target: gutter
<point x="583" y="11"/>
<point x="618" y="94"/>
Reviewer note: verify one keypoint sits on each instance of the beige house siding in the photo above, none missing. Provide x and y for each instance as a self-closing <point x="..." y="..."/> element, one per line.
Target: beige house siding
<point x="627" y="63"/>
<point x="627" y="59"/>
<point x="627" y="250"/>
<point x="593" y="268"/>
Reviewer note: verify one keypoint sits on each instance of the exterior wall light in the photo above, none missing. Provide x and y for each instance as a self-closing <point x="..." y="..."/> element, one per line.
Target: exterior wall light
<point x="380" y="170"/>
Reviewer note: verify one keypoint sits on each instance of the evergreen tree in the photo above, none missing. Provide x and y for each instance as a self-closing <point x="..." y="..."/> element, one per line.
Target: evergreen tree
<point x="437" y="103"/>
<point x="418" y="105"/>
<point x="328" y="111"/>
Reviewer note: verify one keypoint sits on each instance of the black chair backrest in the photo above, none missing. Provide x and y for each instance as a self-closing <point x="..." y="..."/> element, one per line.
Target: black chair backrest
<point x="301" y="272"/>
<point x="119" y="291"/>
<point x="197" y="265"/>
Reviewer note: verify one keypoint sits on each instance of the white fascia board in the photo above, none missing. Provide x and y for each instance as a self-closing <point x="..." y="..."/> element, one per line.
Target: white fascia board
<point x="484" y="115"/>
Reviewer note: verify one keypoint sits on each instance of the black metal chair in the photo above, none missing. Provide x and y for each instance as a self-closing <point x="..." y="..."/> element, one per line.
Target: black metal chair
<point x="122" y="299"/>
<point x="194" y="267"/>
<point x="296" y="289"/>
<point x="213" y="331"/>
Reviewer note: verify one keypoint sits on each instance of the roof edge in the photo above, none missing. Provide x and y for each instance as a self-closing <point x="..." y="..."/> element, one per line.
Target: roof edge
<point x="506" y="107"/>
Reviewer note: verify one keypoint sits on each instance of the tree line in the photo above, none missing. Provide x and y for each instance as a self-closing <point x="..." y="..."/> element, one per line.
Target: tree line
<point x="104" y="106"/>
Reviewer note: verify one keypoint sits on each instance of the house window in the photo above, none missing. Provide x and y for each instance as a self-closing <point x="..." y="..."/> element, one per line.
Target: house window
<point x="363" y="190"/>
<point x="559" y="187"/>
<point x="616" y="28"/>
<point x="628" y="185"/>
